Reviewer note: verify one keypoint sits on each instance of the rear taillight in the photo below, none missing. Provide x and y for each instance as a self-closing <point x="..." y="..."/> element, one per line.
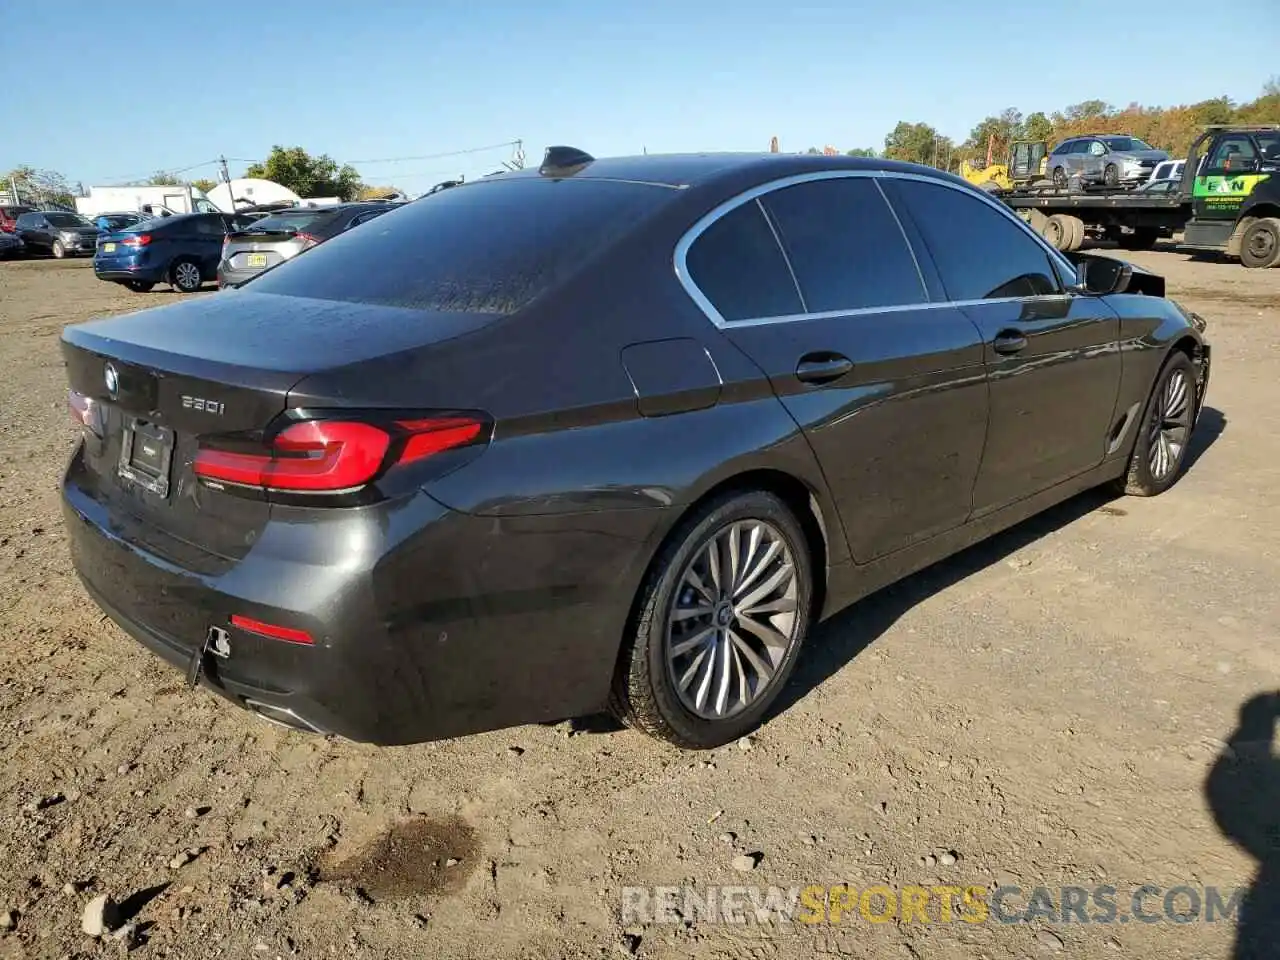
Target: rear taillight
<point x="136" y="240"/>
<point x="308" y="241"/>
<point x="335" y="456"/>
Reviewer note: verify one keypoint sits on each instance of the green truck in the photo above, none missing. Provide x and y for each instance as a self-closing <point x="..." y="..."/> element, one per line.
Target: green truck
<point x="1228" y="201"/>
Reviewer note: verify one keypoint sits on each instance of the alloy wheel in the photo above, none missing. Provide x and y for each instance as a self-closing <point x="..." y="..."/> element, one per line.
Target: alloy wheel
<point x="187" y="276"/>
<point x="1170" y="427"/>
<point x="733" y="619"/>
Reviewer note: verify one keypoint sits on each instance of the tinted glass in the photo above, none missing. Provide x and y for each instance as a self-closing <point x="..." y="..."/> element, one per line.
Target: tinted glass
<point x="1269" y="145"/>
<point x="206" y="225"/>
<point x="294" y="220"/>
<point x="1233" y="150"/>
<point x="737" y="264"/>
<point x="1096" y="148"/>
<point x="66" y="220"/>
<point x="490" y="247"/>
<point x="25" y="221"/>
<point x="1126" y="143"/>
<point x="980" y="252"/>
<point x="846" y="248"/>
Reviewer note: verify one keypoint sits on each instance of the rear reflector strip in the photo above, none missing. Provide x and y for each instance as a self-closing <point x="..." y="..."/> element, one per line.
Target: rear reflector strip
<point x="287" y="634"/>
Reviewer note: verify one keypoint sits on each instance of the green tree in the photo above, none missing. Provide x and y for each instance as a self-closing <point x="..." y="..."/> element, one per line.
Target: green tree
<point x="1037" y="127"/>
<point x="917" y="143"/>
<point x="862" y="152"/>
<point x="1217" y="110"/>
<point x="41" y="186"/>
<point x="162" y="178"/>
<point x="1087" y="110"/>
<point x="204" y="184"/>
<point x="307" y="176"/>
<point x="377" y="193"/>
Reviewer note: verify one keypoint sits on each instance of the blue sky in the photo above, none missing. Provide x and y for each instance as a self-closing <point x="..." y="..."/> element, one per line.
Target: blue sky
<point x="395" y="78"/>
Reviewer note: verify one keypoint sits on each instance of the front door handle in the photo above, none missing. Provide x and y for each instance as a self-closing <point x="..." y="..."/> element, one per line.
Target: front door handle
<point x="822" y="367"/>
<point x="1009" y="342"/>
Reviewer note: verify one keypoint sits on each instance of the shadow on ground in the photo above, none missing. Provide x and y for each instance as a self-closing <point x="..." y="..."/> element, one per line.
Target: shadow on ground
<point x="1243" y="791"/>
<point x="837" y="641"/>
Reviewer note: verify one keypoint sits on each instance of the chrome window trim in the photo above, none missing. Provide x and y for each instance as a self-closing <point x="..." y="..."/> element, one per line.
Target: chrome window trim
<point x="690" y="236"/>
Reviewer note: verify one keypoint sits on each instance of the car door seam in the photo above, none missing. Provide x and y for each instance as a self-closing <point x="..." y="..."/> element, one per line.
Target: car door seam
<point x="782" y="248"/>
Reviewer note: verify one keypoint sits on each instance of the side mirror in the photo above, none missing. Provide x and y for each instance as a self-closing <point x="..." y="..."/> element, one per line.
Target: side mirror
<point x="1099" y="276"/>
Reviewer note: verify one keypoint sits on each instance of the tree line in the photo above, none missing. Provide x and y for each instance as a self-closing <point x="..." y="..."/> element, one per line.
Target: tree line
<point x="1167" y="128"/>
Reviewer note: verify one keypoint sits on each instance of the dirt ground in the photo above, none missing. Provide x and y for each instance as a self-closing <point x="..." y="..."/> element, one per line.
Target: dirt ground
<point x="1043" y="709"/>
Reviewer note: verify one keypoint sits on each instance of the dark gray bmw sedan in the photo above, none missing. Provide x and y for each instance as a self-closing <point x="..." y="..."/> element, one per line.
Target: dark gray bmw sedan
<point x="606" y="433"/>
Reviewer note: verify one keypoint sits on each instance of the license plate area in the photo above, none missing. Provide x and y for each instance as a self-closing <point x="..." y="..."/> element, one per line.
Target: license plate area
<point x="256" y="259"/>
<point x="146" y="453"/>
<point x="108" y="248"/>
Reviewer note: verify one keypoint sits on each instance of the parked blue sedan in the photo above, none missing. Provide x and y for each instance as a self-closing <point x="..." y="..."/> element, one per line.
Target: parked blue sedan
<point x="182" y="251"/>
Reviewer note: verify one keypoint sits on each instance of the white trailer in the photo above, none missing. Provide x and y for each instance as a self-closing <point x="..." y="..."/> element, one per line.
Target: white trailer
<point x="158" y="201"/>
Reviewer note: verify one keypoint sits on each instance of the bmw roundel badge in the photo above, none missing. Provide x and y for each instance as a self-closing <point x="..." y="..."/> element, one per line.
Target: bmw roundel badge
<point x="112" y="380"/>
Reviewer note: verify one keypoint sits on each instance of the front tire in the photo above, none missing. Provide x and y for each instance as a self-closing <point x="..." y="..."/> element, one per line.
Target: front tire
<point x="185" y="275"/>
<point x="719" y="622"/>
<point x="1111" y="175"/>
<point x="1060" y="178"/>
<point x="58" y="249"/>
<point x="1260" y="244"/>
<point x="1160" y="451"/>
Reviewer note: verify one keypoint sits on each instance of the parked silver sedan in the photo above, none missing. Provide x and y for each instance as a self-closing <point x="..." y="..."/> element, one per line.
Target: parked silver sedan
<point x="280" y="236"/>
<point x="1107" y="159"/>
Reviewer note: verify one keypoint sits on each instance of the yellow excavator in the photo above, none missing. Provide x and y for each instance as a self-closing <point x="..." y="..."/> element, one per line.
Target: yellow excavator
<point x="1028" y="162"/>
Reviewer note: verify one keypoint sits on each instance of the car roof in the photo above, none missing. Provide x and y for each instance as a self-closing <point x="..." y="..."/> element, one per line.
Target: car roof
<point x="706" y="169"/>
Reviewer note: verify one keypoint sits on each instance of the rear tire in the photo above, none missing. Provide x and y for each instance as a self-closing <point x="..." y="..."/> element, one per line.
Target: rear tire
<point x="1142" y="238"/>
<point x="1260" y="244"/>
<point x="1058" y="232"/>
<point x="718" y="663"/>
<point x="185" y="275"/>
<point x="1077" y="236"/>
<point x="1160" y="450"/>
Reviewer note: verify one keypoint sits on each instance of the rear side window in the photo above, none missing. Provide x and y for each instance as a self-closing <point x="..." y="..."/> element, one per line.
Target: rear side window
<point x="845" y="245"/>
<point x="980" y="253"/>
<point x="487" y="247"/>
<point x="288" y="221"/>
<point x="737" y="264"/>
<point x="209" y="226"/>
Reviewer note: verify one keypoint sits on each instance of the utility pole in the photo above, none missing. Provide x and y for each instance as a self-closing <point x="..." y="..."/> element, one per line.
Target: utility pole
<point x="226" y="178"/>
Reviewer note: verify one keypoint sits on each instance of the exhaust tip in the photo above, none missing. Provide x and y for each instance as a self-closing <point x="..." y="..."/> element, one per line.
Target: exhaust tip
<point x="281" y="716"/>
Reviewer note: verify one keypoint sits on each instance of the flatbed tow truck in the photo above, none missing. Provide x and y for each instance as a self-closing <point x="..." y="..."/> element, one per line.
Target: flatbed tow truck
<point x="1228" y="201"/>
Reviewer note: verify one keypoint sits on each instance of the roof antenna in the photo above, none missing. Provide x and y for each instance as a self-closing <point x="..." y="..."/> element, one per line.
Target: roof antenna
<point x="564" y="161"/>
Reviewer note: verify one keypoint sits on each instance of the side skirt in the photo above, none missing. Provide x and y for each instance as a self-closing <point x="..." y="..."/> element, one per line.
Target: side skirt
<point x="850" y="583"/>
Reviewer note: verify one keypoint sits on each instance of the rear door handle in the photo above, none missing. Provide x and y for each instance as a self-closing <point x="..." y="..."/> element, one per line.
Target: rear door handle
<point x="1008" y="342"/>
<point x="822" y="367"/>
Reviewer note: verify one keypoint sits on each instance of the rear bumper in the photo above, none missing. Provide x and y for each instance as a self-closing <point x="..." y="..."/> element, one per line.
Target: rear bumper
<point x="229" y="276"/>
<point x="427" y="623"/>
<point x="117" y="274"/>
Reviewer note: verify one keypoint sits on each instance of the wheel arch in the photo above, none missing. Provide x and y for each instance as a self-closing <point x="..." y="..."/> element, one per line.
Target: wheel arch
<point x="819" y="523"/>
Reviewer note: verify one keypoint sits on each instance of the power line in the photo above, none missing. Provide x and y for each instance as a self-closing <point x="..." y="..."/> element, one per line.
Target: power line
<point x="440" y="156"/>
<point x="124" y="181"/>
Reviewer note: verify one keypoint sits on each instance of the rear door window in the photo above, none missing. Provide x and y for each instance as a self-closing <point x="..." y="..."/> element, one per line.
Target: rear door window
<point x="489" y="247"/>
<point x="845" y="245"/>
<point x="980" y="253"/>
<point x="738" y="266"/>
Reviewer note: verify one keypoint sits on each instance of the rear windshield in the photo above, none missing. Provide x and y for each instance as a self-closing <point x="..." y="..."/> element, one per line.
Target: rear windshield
<point x="14" y="211"/>
<point x="67" y="220"/>
<point x="487" y="247"/>
<point x="294" y="220"/>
